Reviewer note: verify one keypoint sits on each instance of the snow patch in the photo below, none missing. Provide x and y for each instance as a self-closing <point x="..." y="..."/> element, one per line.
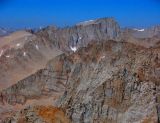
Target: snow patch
<point x="24" y="53"/>
<point x="7" y="56"/>
<point x="80" y="38"/>
<point x="86" y="22"/>
<point x="18" y="44"/>
<point x="74" y="49"/>
<point x="102" y="57"/>
<point x="37" y="47"/>
<point x="139" y="30"/>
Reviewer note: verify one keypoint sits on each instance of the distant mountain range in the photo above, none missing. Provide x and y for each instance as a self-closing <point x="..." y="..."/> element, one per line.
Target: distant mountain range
<point x="5" y="31"/>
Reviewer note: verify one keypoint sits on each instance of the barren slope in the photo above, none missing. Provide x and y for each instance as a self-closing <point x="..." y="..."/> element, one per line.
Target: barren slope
<point x="22" y="54"/>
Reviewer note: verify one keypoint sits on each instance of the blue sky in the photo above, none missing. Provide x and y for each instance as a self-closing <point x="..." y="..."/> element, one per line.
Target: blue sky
<point x="35" y="13"/>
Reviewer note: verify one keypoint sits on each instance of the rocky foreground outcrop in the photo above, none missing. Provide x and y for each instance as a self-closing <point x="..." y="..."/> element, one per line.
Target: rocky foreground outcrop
<point x="105" y="82"/>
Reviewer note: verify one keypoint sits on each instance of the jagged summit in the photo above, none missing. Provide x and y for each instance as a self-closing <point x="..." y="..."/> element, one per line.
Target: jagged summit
<point x="96" y="21"/>
<point x="80" y="35"/>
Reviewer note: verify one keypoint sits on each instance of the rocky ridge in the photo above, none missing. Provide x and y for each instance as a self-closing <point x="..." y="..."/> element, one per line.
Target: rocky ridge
<point x="107" y="79"/>
<point x="149" y="37"/>
<point x="81" y="34"/>
<point x="105" y="82"/>
<point x="23" y="53"/>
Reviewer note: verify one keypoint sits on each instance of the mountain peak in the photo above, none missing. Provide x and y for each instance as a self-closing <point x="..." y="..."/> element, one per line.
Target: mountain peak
<point x="96" y="21"/>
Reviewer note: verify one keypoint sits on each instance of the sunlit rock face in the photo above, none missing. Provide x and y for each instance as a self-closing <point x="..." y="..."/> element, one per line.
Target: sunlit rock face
<point x="85" y="32"/>
<point x="93" y="73"/>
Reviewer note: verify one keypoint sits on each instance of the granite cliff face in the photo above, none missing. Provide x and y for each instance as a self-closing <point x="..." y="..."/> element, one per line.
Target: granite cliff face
<point x="83" y="33"/>
<point x="107" y="79"/>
